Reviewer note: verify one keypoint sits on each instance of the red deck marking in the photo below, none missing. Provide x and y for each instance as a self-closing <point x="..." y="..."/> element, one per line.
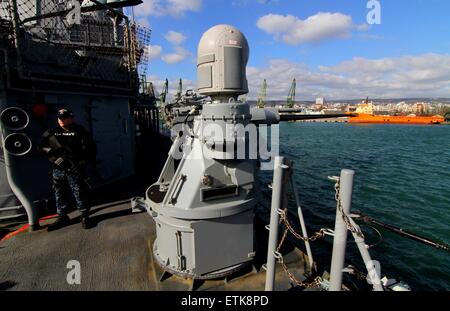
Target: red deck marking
<point x="24" y="228"/>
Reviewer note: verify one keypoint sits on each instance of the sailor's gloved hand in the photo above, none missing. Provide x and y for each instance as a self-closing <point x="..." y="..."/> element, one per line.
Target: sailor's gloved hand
<point x="60" y="162"/>
<point x="65" y="164"/>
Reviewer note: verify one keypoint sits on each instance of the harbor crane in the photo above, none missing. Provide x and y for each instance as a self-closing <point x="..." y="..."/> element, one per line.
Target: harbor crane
<point x="179" y="90"/>
<point x="262" y="95"/>
<point x="151" y="90"/>
<point x="291" y="95"/>
<point x="163" y="95"/>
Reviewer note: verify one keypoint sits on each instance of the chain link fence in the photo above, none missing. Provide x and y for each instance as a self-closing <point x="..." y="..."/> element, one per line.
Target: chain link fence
<point x="72" y="41"/>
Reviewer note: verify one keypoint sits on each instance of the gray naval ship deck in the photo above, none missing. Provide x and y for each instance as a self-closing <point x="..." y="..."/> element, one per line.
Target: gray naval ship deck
<point x="116" y="254"/>
<point x="204" y="223"/>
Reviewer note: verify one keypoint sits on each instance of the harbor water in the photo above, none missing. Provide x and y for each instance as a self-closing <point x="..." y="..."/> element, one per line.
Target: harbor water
<point x="402" y="178"/>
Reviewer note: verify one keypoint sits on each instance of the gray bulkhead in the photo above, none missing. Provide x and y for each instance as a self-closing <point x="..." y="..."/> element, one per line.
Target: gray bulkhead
<point x="108" y="119"/>
<point x="47" y="62"/>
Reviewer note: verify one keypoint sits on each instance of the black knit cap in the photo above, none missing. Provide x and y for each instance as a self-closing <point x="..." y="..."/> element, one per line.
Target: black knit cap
<point x="64" y="113"/>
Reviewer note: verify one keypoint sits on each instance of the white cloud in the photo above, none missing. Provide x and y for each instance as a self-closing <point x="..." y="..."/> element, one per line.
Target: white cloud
<point x="154" y="51"/>
<point x="292" y="30"/>
<point x="179" y="55"/>
<point x="174" y="8"/>
<point x="178" y="7"/>
<point x="149" y="7"/>
<point x="425" y="75"/>
<point x="426" y="68"/>
<point x="175" y="38"/>
<point x="143" y="22"/>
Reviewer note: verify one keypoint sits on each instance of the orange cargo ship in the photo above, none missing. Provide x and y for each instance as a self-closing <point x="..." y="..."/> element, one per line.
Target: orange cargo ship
<point x="368" y="118"/>
<point x="364" y="114"/>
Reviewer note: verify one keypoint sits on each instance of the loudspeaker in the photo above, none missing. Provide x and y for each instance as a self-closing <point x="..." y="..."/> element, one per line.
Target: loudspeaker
<point x="17" y="144"/>
<point x="14" y="119"/>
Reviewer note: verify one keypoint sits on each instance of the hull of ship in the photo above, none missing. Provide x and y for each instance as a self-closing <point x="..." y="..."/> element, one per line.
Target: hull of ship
<point x="396" y="119"/>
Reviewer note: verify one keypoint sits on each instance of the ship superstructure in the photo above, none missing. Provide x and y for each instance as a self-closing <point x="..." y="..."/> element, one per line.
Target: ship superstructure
<point x="80" y="55"/>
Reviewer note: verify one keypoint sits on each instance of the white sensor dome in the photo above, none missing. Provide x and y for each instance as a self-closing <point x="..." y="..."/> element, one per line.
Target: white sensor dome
<point x="221" y="62"/>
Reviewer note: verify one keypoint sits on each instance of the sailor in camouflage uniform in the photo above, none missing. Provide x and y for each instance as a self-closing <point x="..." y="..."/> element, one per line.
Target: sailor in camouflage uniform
<point x="69" y="148"/>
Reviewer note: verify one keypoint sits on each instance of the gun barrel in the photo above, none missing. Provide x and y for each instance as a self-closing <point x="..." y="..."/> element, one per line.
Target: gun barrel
<point x="290" y="110"/>
<point x="299" y="117"/>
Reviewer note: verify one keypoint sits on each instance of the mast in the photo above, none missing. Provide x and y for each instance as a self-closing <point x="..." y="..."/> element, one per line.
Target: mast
<point x="262" y="95"/>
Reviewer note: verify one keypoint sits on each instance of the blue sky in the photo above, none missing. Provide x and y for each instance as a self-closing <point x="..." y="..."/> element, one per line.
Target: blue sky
<point x="326" y="45"/>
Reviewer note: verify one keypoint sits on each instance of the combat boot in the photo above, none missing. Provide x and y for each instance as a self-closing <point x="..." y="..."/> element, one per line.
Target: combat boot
<point x="61" y="221"/>
<point x="85" y="221"/>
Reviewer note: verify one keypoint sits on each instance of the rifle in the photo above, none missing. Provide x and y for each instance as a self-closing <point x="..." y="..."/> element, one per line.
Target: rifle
<point x="62" y="156"/>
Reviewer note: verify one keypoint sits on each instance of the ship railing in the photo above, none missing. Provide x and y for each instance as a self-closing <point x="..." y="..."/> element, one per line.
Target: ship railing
<point x="45" y="31"/>
<point x="87" y="34"/>
<point x="343" y="224"/>
<point x="282" y="177"/>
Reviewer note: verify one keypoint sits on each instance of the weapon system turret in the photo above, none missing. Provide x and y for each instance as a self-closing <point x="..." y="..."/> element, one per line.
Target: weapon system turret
<point x="204" y="199"/>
